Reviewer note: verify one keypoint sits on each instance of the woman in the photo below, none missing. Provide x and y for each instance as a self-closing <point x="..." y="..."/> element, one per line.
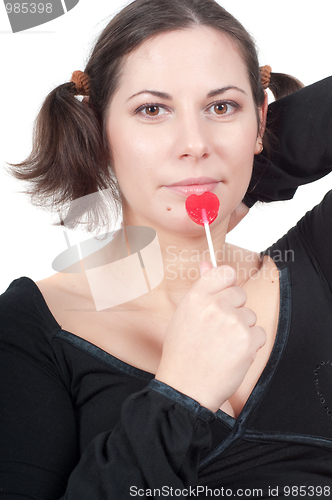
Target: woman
<point x="190" y="389"/>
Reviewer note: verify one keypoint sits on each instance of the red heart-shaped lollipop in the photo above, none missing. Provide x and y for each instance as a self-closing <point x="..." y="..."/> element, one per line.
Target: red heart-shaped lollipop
<point x="195" y="204"/>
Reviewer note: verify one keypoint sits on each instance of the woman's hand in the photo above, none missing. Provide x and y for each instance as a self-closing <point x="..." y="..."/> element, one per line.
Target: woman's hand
<point x="211" y="340"/>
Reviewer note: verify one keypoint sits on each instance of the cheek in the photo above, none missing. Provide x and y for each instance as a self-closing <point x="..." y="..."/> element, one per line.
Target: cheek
<point x="133" y="163"/>
<point x="244" y="149"/>
<point x="237" y="146"/>
<point x="135" y="144"/>
<point x="237" y="151"/>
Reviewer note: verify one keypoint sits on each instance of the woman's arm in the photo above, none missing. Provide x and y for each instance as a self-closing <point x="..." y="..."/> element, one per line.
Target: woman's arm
<point x="302" y="124"/>
<point x="315" y="230"/>
<point x="157" y="442"/>
<point x="163" y="431"/>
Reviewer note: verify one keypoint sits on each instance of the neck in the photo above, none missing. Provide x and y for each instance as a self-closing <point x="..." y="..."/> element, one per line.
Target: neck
<point x="182" y="255"/>
<point x="170" y="262"/>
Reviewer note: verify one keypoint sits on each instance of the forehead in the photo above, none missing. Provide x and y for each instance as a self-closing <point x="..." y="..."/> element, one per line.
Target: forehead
<point x="200" y="55"/>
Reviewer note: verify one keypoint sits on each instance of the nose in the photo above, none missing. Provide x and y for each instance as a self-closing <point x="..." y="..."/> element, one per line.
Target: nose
<point x="192" y="138"/>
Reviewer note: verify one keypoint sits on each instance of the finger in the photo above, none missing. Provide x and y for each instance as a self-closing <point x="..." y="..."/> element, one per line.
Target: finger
<point x="216" y="279"/>
<point x="204" y="267"/>
<point x="233" y="295"/>
<point x="249" y="316"/>
<point x="260" y="336"/>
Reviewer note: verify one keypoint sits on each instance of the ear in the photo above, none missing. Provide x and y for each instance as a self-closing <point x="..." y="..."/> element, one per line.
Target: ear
<point x="262" y="116"/>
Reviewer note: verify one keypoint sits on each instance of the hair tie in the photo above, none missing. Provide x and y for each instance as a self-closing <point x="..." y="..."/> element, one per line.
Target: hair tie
<point x="82" y="82"/>
<point x="265" y="76"/>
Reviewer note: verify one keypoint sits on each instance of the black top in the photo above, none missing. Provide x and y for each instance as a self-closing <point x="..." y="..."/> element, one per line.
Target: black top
<point x="76" y="423"/>
<point x="73" y="413"/>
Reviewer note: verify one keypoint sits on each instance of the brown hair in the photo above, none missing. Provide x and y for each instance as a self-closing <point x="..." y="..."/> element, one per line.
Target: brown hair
<point x="71" y="157"/>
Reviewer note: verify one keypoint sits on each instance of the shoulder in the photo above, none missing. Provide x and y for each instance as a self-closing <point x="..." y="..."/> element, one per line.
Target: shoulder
<point x="308" y="244"/>
<point x="246" y="262"/>
<point x="25" y="318"/>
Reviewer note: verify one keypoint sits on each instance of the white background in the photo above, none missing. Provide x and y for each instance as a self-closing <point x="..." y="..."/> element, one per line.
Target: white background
<point x="293" y="37"/>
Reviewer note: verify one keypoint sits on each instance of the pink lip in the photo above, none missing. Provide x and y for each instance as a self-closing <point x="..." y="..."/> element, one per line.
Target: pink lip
<point x="196" y="186"/>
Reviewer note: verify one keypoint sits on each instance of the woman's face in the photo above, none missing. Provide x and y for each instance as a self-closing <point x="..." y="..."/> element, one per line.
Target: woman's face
<point x="182" y="122"/>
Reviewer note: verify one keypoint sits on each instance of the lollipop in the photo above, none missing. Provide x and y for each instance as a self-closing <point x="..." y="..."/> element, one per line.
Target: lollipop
<point x="204" y="210"/>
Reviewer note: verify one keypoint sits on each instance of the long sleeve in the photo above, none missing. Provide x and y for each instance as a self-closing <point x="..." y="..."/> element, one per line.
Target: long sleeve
<point x="302" y="125"/>
<point x="156" y="445"/>
<point x="315" y="230"/>
<point x="157" y="441"/>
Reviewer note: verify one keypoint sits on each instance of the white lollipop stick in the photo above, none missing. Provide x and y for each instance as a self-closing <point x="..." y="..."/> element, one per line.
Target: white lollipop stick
<point x="208" y="237"/>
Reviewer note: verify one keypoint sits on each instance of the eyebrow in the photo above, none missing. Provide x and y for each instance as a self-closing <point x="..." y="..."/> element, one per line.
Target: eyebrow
<point x="224" y="89"/>
<point x="163" y="95"/>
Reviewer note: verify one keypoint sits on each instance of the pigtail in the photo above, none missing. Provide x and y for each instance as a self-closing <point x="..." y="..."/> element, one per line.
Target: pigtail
<point x="69" y="159"/>
<point x="282" y="85"/>
<point x="279" y="84"/>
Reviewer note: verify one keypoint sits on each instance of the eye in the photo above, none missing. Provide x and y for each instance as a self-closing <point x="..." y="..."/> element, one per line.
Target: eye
<point x="223" y="108"/>
<point x="151" y="110"/>
<point x="220" y="109"/>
